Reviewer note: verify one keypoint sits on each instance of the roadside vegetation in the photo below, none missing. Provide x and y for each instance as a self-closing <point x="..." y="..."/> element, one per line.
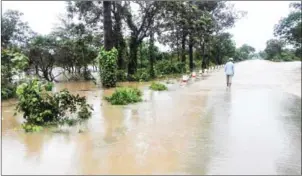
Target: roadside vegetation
<point x="124" y="96"/>
<point x="158" y="86"/>
<point x="287" y="45"/>
<point x="42" y="108"/>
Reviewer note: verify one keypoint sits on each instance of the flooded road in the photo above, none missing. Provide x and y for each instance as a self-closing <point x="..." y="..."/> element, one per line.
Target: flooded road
<point x="201" y="128"/>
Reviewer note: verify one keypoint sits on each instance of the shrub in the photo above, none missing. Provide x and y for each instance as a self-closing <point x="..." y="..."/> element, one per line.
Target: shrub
<point x="49" y="86"/>
<point x="41" y="108"/>
<point x="121" y="75"/>
<point x="12" y="63"/>
<point x="125" y="95"/>
<point x="8" y="91"/>
<point x="140" y="75"/>
<point x="166" y="67"/>
<point x="158" y="87"/>
<point x="108" y="67"/>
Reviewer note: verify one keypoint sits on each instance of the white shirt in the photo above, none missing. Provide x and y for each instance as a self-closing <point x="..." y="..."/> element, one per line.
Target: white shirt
<point x="229" y="68"/>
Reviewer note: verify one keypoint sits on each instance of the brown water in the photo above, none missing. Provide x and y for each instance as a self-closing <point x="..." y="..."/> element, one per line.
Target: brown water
<point x="201" y="128"/>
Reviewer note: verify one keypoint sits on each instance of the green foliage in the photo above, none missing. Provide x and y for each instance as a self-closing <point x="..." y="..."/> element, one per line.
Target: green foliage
<point x="158" y="87"/>
<point x="12" y="63"/>
<point x="140" y="75"/>
<point x="31" y="127"/>
<point x="42" y="56"/>
<point x="244" y="52"/>
<point x="108" y="67"/>
<point x="125" y="95"/>
<point x="289" y="28"/>
<point x="273" y="49"/>
<point x="41" y="108"/>
<point x="49" y="86"/>
<point x="121" y="75"/>
<point x="222" y="47"/>
<point x="167" y="67"/>
<point x="14" y="31"/>
<point x="8" y="91"/>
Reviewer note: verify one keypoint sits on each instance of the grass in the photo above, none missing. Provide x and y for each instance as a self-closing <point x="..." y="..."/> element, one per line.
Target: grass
<point x="158" y="87"/>
<point x="124" y="96"/>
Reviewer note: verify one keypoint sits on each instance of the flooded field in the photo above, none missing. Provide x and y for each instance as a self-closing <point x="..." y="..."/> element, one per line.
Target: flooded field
<point x="200" y="128"/>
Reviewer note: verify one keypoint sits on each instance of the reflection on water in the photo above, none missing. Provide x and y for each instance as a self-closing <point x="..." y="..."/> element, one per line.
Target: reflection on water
<point x="201" y="128"/>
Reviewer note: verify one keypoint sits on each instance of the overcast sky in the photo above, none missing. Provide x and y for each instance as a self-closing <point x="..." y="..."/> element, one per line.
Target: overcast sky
<point x="255" y="29"/>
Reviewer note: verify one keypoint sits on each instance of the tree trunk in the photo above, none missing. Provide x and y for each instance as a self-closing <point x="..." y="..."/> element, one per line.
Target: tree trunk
<point x="141" y="54"/>
<point x="151" y="49"/>
<point x="191" y="53"/>
<point x="177" y="43"/>
<point x="183" y="47"/>
<point x="119" y="40"/>
<point x="133" y="56"/>
<point x="108" y="43"/>
<point x="203" y="63"/>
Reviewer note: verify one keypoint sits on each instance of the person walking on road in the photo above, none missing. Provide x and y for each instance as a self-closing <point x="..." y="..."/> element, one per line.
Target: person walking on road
<point x="229" y="72"/>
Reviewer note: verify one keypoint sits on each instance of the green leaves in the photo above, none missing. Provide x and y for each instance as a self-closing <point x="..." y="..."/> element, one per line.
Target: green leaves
<point x="41" y="109"/>
<point x="12" y="63"/>
<point x="125" y="95"/>
<point x="158" y="87"/>
<point x="107" y="64"/>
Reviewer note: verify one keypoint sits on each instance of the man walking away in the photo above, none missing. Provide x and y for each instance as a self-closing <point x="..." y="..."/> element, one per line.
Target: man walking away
<point x="229" y="71"/>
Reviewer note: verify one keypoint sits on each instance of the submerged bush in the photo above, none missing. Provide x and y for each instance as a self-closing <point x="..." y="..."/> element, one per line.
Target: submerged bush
<point x="125" y="95"/>
<point x="8" y="91"/>
<point x="41" y="108"/>
<point x="140" y="75"/>
<point x="49" y="86"/>
<point x="158" y="87"/>
<point x="12" y="64"/>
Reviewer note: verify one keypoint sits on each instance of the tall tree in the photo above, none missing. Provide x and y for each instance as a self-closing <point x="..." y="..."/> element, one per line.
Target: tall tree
<point x="108" y="42"/>
<point x="139" y="27"/>
<point x="289" y="28"/>
<point x="273" y="48"/>
<point x="14" y="32"/>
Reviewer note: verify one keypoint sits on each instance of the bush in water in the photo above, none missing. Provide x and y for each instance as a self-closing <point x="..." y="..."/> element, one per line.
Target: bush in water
<point x="41" y="108"/>
<point x="108" y="67"/>
<point x="158" y="87"/>
<point x="125" y="95"/>
<point x="49" y="86"/>
<point x="141" y="75"/>
<point x="12" y="63"/>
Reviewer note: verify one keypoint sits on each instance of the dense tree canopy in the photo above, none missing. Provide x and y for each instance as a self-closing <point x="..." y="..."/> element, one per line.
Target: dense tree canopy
<point x="289" y="34"/>
<point x="14" y="32"/>
<point x="195" y="31"/>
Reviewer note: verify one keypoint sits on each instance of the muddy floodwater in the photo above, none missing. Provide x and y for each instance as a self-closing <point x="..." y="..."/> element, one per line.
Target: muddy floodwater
<point x="199" y="128"/>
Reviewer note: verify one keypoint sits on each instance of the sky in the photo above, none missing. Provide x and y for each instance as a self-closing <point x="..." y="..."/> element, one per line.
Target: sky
<point x="254" y="29"/>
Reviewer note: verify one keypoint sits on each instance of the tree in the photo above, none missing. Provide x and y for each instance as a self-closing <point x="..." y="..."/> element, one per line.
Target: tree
<point x="244" y="52"/>
<point x="262" y="54"/>
<point x="289" y="28"/>
<point x="92" y="15"/>
<point x="12" y="64"/>
<point x="119" y="41"/>
<point x="108" y="42"/>
<point x="41" y="55"/>
<point x="273" y="48"/>
<point x="223" y="47"/>
<point x="139" y="30"/>
<point x="14" y="32"/>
